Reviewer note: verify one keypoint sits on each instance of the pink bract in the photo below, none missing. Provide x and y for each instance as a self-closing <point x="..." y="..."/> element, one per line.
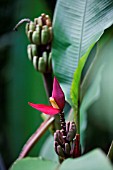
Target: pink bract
<point x="45" y="108"/>
<point x="58" y="94"/>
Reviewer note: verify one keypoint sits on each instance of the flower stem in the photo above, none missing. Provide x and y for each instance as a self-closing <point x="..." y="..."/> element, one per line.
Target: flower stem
<point x="63" y="123"/>
<point x="35" y="137"/>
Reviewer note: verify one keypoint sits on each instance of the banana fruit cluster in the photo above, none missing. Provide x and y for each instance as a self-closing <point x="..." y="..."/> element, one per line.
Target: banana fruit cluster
<point x="39" y="34"/>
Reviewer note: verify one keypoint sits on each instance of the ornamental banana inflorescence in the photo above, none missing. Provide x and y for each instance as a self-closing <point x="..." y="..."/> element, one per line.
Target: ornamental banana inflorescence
<point x="65" y="146"/>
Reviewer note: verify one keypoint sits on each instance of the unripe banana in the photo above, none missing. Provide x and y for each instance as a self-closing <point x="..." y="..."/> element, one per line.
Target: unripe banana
<point x="51" y="34"/>
<point x="50" y="62"/>
<point x="29" y="52"/>
<point x="34" y="50"/>
<point x="44" y="55"/>
<point x="35" y="62"/>
<point x="45" y="34"/>
<point x="38" y="28"/>
<point x="41" y="65"/>
<point x="27" y="28"/>
<point x="48" y="21"/>
<point x="36" y="21"/>
<point x="40" y="21"/>
<point x="43" y="15"/>
<point x="32" y="26"/>
<point x="36" y="37"/>
<point x="29" y="35"/>
<point x="45" y="27"/>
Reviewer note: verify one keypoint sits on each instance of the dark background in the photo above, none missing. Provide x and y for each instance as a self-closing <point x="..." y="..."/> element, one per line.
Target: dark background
<point x="19" y="81"/>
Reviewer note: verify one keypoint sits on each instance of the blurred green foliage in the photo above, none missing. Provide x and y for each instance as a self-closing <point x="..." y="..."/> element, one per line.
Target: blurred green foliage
<point x="19" y="82"/>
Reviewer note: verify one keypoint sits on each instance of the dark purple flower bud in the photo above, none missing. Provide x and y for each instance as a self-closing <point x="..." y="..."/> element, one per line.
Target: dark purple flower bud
<point x="72" y="132"/>
<point x="58" y="136"/>
<point x="55" y="146"/>
<point x="60" y="151"/>
<point x="67" y="126"/>
<point x="67" y="149"/>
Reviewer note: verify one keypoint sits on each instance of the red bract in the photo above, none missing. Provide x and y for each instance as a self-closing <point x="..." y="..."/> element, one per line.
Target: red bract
<point x="57" y="101"/>
<point x="58" y="94"/>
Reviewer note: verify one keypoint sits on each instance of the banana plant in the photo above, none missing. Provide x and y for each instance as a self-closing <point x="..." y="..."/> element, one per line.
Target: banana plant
<point x="76" y="51"/>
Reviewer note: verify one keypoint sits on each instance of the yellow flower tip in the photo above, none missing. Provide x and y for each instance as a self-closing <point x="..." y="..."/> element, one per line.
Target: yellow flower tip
<point x="53" y="103"/>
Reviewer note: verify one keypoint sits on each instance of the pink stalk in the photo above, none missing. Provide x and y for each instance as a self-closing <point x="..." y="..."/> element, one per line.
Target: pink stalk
<point x="35" y="137"/>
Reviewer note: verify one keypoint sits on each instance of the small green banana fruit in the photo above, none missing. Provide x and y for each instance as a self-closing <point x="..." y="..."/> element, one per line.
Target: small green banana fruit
<point x="45" y="34"/>
<point x="41" y="65"/>
<point x="45" y="57"/>
<point x="35" y="62"/>
<point x="29" y="35"/>
<point x="29" y="52"/>
<point x="36" y="37"/>
<point x="27" y="28"/>
<point x="50" y="62"/>
<point x="32" y="26"/>
<point x="34" y="50"/>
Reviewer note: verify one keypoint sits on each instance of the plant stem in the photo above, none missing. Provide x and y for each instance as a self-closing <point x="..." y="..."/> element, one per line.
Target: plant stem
<point x="48" y="83"/>
<point x="35" y="137"/>
<point x="78" y="121"/>
<point x="78" y="111"/>
<point x="21" y="22"/>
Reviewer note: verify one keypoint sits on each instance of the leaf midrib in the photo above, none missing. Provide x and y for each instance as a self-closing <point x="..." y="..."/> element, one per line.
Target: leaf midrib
<point x="81" y="37"/>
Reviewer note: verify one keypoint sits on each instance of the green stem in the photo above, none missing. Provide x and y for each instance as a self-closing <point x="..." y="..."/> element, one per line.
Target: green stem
<point x="77" y="120"/>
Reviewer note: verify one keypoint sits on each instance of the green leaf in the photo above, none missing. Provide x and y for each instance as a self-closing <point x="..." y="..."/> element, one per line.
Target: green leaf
<point x="95" y="160"/>
<point x="96" y="112"/>
<point x="77" y="25"/>
<point x="34" y="164"/>
<point x="76" y="79"/>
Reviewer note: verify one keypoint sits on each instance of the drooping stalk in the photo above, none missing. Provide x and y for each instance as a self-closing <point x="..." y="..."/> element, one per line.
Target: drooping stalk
<point x="35" y="137"/>
<point x="21" y="22"/>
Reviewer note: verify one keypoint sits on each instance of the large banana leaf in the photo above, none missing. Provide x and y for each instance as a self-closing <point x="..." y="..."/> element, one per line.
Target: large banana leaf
<point x="96" y="113"/>
<point x="77" y="24"/>
<point x="34" y="164"/>
<point x="95" y="160"/>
